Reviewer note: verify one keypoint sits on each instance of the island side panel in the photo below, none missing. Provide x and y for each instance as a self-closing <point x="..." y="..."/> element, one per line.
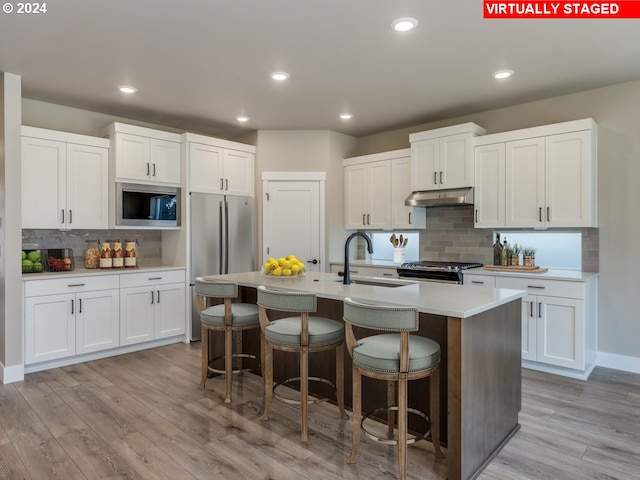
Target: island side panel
<point x="484" y="386"/>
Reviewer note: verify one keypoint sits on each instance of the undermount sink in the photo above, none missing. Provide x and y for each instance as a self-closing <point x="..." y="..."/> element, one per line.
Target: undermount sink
<point x="377" y="282"/>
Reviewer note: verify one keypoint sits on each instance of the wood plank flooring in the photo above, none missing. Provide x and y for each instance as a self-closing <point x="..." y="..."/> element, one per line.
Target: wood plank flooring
<point x="141" y="416"/>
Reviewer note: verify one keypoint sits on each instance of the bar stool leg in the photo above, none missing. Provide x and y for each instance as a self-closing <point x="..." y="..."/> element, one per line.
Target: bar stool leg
<point x="204" y="369"/>
<point x="304" y="390"/>
<point x="402" y="425"/>
<point x="357" y="415"/>
<point x="434" y="400"/>
<point x="340" y="380"/>
<point x="391" y="400"/>
<point x="228" y="362"/>
<point x="268" y="380"/>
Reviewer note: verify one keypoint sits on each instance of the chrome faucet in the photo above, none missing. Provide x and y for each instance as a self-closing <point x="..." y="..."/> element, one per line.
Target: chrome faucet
<point x="347" y="276"/>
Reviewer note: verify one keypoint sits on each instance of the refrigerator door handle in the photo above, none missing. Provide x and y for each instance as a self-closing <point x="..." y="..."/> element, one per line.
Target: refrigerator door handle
<point x="220" y="239"/>
<point x="226" y="236"/>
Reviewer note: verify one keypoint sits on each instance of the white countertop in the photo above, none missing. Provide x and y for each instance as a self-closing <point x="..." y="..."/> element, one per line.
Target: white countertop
<point x="435" y="298"/>
<point x="551" y="274"/>
<point x="84" y="272"/>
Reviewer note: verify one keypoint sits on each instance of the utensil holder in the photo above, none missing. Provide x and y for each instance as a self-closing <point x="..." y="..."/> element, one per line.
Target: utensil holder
<point x="398" y="254"/>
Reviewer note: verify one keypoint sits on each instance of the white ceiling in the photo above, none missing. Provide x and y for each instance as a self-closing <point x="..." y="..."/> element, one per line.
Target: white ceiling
<point x="199" y="63"/>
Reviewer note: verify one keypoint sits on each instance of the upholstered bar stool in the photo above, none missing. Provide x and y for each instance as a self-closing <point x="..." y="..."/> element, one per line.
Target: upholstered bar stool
<point x="303" y="334"/>
<point x="227" y="317"/>
<point x="395" y="357"/>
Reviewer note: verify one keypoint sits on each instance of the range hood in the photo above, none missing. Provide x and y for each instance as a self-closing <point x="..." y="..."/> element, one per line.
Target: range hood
<point x="441" y="198"/>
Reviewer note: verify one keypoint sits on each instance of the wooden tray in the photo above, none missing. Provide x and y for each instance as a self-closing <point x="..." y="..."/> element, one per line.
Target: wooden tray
<point x="516" y="268"/>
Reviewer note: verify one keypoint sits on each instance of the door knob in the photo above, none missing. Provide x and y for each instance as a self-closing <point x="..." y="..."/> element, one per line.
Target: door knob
<point x="314" y="261"/>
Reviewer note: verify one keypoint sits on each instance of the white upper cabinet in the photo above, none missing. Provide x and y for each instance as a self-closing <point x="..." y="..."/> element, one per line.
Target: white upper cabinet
<point x="65" y="180"/>
<point x="144" y="155"/>
<point x="375" y="189"/>
<point x="443" y="158"/>
<point x="219" y="166"/>
<point x="537" y="178"/>
<point x="403" y="216"/>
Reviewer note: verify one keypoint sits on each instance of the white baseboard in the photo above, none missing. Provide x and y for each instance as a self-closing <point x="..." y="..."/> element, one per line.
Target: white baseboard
<point x="565" y="372"/>
<point x="11" y="374"/>
<point x="618" y="362"/>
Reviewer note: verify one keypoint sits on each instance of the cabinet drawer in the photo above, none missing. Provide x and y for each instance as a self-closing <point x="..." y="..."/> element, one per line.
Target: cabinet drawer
<point x="387" y="272"/>
<point x="479" y="280"/>
<point x="58" y="286"/>
<point x="151" y="278"/>
<point x="552" y="288"/>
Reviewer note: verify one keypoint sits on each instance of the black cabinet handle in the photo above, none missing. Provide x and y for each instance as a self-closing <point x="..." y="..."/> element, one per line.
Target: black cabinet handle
<point x="364" y="221"/>
<point x="80" y="306"/>
<point x="440" y="178"/>
<point x="70" y="216"/>
<point x="158" y="296"/>
<point x="148" y="166"/>
<point x="62" y="215"/>
<point x="152" y="302"/>
<point x="531" y="309"/>
<point x="435" y="178"/>
<point x="410" y="222"/>
<point x="540" y="214"/>
<point x="222" y="184"/>
<point x="548" y="213"/>
<point x="72" y="307"/>
<point x="226" y="184"/>
<point x="539" y="309"/>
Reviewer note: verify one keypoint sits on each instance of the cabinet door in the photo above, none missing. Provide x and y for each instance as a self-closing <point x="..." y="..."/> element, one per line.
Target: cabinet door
<point x="87" y="187"/>
<point x="137" y="315"/>
<point x="132" y="156"/>
<point x="387" y="272"/>
<point x="49" y="327"/>
<point x="43" y="183"/>
<point x="456" y="164"/>
<point x="560" y="332"/>
<point x="425" y="165"/>
<point x="568" y="186"/>
<point x="97" y="321"/>
<point x="165" y="161"/>
<point x="355" y="196"/>
<point x="525" y="202"/>
<point x="170" y="310"/>
<point x="238" y="173"/>
<point x="479" y="280"/>
<point x="403" y="216"/>
<point x="529" y="322"/>
<point x="379" y="185"/>
<point x="489" y="186"/>
<point x="205" y="168"/>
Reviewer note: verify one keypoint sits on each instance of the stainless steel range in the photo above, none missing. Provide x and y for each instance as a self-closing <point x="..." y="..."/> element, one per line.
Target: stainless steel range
<point x="434" y="271"/>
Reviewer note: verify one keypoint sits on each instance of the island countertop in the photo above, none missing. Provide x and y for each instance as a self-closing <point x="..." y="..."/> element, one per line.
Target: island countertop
<point x="435" y="298"/>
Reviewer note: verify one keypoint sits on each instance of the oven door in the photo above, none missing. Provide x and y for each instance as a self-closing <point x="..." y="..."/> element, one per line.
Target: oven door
<point x="147" y="206"/>
<point x="432" y="276"/>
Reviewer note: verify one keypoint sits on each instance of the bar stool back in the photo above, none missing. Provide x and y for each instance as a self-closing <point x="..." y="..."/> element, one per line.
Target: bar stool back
<point x="228" y="317"/>
<point x="396" y="357"/>
<point x="303" y="334"/>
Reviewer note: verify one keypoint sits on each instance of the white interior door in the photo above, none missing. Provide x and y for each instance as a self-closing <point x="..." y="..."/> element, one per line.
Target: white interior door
<point x="293" y="221"/>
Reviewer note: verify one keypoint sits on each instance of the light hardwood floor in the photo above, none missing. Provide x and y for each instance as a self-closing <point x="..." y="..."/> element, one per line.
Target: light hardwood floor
<point x="141" y="416"/>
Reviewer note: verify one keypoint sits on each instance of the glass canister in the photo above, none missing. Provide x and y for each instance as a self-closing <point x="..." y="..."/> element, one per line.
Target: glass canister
<point x="92" y="254"/>
<point x="117" y="255"/>
<point x="130" y="254"/>
<point x="106" y="262"/>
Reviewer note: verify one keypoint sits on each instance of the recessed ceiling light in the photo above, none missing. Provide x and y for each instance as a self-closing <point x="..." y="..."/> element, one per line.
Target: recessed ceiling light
<point x="242" y="118"/>
<point x="127" y="89"/>
<point x="404" y="24"/>
<point x="502" y="74"/>
<point x="346" y="116"/>
<point x="279" y="76"/>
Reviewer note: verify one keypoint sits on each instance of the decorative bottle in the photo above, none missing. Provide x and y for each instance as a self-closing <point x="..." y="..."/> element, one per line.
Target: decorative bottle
<point x="504" y="255"/>
<point x="117" y="256"/>
<point x="130" y="255"/>
<point x="497" y="251"/>
<point x="106" y="262"/>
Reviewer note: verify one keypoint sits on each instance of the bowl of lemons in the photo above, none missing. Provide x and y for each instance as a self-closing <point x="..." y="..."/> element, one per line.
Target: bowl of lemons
<point x="284" y="267"/>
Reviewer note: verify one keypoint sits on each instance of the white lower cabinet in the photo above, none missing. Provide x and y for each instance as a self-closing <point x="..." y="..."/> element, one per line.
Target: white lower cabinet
<point x="65" y="317"/>
<point x="70" y="316"/>
<point x="152" y="306"/>
<point x="558" y="321"/>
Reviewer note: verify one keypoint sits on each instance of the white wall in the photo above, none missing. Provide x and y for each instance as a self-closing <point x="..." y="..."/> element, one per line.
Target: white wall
<point x="11" y="341"/>
<point x="616" y="109"/>
<point x="308" y="151"/>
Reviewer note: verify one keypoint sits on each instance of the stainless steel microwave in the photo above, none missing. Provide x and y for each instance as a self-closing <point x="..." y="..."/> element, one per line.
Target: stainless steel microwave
<point x="147" y="206"/>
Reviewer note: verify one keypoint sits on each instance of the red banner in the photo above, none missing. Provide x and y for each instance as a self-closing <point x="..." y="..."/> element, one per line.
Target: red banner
<point x="511" y="9"/>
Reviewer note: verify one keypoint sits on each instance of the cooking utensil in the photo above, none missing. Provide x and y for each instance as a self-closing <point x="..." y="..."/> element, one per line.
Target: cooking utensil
<point x="401" y="241"/>
<point x="406" y="240"/>
<point x="394" y="240"/>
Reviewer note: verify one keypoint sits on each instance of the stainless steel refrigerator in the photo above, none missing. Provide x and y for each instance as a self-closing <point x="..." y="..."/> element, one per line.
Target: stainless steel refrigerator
<point x="221" y="240"/>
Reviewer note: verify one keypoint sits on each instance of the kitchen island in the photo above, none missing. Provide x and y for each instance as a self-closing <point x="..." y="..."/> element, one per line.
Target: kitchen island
<point x="479" y="331"/>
